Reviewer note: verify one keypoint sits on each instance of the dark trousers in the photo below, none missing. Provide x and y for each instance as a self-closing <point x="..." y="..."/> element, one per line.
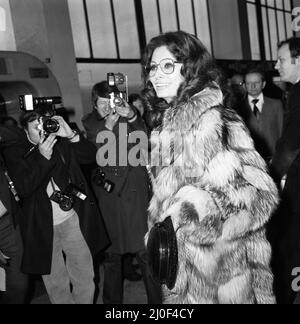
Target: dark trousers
<point x="285" y="254"/>
<point x="113" y="279"/>
<point x="128" y="266"/>
<point x="11" y="246"/>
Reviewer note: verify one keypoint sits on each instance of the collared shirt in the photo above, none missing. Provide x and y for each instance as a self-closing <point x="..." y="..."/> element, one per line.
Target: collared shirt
<point x="260" y="103"/>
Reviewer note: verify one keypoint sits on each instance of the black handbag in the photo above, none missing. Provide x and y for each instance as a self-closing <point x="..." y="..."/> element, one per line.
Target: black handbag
<point x="163" y="253"/>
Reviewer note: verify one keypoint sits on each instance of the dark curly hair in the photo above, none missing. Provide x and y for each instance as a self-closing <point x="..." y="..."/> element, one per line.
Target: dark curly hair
<point x="199" y="71"/>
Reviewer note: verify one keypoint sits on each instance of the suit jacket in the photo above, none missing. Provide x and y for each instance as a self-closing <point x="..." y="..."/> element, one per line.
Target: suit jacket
<point x="285" y="226"/>
<point x="267" y="129"/>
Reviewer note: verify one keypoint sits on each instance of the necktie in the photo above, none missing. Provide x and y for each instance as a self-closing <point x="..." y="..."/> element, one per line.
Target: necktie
<point x="255" y="108"/>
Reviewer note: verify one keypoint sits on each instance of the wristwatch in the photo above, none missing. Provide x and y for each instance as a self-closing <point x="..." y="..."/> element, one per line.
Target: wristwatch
<point x="74" y="134"/>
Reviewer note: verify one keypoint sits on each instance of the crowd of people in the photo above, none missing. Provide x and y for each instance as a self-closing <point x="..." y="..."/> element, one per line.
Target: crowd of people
<point x="219" y="169"/>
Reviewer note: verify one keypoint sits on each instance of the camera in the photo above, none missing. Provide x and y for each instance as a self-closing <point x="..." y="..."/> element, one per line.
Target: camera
<point x="119" y="82"/>
<point x="65" y="199"/>
<point x="74" y="191"/>
<point x="50" y="125"/>
<point x="46" y="107"/>
<point x="30" y="103"/>
<point x="100" y="180"/>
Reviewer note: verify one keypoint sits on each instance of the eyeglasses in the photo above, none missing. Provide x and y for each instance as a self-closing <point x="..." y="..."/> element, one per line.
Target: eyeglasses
<point x="166" y="65"/>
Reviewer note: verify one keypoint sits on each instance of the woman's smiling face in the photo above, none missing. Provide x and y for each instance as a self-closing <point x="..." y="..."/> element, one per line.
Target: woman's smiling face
<point x="165" y="84"/>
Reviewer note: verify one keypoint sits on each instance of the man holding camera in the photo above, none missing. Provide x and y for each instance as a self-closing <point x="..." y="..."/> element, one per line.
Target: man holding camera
<point x="122" y="190"/>
<point x="62" y="227"/>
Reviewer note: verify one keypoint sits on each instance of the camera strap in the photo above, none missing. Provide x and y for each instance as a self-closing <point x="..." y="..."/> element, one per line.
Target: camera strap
<point x="65" y="164"/>
<point x="11" y="186"/>
<point x="82" y="196"/>
<point x="62" y="157"/>
<point x="52" y="184"/>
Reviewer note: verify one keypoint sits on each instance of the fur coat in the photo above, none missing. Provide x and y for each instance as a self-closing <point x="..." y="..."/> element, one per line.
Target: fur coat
<point x="216" y="189"/>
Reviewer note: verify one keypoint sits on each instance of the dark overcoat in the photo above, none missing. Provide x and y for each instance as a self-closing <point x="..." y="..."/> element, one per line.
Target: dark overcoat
<point x="5" y="195"/>
<point x="286" y="160"/>
<point x="125" y="209"/>
<point x="9" y="135"/>
<point x="31" y="176"/>
<point x="285" y="227"/>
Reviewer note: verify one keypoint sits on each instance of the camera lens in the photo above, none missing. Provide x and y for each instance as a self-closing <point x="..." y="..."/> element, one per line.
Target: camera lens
<point x="66" y="203"/>
<point x="118" y="101"/>
<point x="51" y="126"/>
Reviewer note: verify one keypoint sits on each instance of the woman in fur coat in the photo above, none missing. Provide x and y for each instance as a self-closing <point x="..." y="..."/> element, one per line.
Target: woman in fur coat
<point x="208" y="178"/>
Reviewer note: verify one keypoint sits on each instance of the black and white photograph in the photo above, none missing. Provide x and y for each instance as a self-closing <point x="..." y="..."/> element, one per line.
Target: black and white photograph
<point x="149" y="154"/>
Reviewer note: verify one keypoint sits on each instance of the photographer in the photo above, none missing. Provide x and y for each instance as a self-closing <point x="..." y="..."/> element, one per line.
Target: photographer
<point x="122" y="192"/>
<point x="13" y="283"/>
<point x="60" y="216"/>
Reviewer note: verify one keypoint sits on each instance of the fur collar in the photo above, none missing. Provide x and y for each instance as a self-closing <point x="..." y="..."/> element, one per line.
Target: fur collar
<point x="181" y="117"/>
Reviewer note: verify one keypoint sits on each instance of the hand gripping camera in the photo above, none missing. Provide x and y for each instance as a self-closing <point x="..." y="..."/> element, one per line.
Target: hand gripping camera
<point x="119" y="82"/>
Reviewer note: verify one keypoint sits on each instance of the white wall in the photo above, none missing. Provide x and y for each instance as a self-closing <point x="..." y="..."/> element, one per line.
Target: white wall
<point x="225" y="28"/>
<point x="30" y="27"/>
<point x="42" y="28"/>
<point x="7" y="37"/>
<point x="62" y="54"/>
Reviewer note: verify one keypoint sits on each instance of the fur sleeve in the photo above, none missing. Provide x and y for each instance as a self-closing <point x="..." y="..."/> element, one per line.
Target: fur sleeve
<point x="234" y="173"/>
<point x="259" y="257"/>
